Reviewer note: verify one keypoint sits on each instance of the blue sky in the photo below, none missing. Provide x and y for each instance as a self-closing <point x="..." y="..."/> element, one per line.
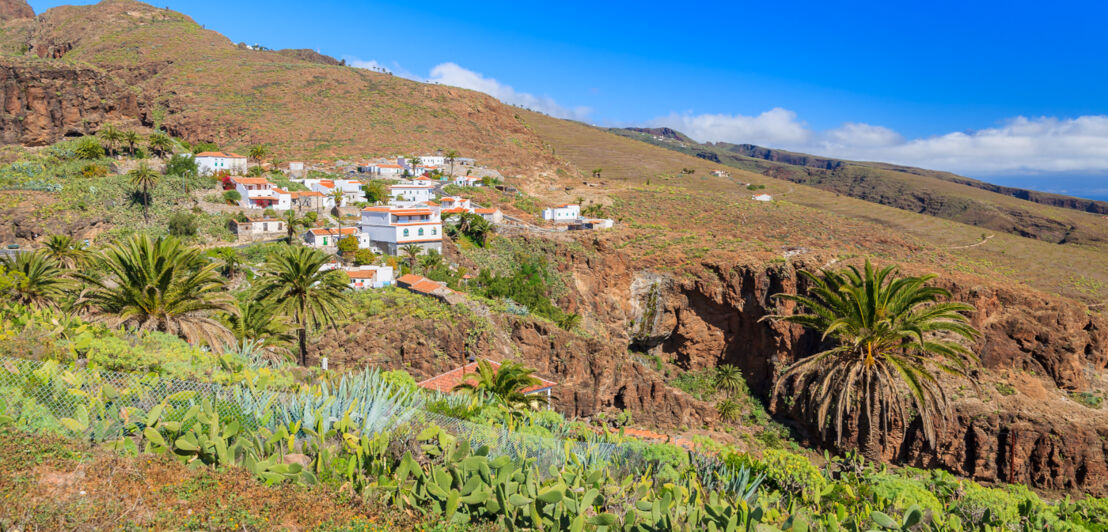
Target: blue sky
<point x="989" y="89"/>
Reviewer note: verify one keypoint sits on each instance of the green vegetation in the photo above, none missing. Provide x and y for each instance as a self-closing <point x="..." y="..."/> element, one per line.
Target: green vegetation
<point x="884" y="329"/>
<point x="506" y="384"/>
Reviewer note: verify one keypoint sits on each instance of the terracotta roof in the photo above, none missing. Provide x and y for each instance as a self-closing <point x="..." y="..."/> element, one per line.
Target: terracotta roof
<point x="565" y="205"/>
<point x="379" y="165"/>
<point x="227" y="155"/>
<point x="299" y="193"/>
<point x="333" y="231"/>
<point x="446" y="382"/>
<point x="328" y="184"/>
<point x="413" y="212"/>
<point x="486" y="211"/>
<point x="412" y="186"/>
<point x="280" y="190"/>
<point x="251" y="180"/>
<point x="455" y="210"/>
<point x="362" y="274"/>
<point x="426" y="286"/>
<point x="409" y="278"/>
<point x="430" y="204"/>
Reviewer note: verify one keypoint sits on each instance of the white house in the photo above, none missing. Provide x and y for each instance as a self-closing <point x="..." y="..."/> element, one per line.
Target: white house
<point x="467" y="181"/>
<point x="390" y="228"/>
<point x="210" y="162"/>
<point x="562" y="213"/>
<point x="450" y="202"/>
<point x="257" y="228"/>
<point x="259" y="193"/>
<point x="385" y="169"/>
<point x="762" y="197"/>
<point x="412" y="192"/>
<point x="351" y="190"/>
<point x="493" y="215"/>
<point x="329" y="237"/>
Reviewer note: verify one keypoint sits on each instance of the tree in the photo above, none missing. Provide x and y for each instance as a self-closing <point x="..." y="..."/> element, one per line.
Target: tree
<point x="66" y="251"/>
<point x="147" y="178"/>
<point x="596" y="172"/>
<point x="882" y="334"/>
<point x="258" y="152"/>
<point x="337" y="195"/>
<point x="89" y="148"/>
<point x="348" y="244"/>
<point x="131" y="138"/>
<point x="292" y="281"/>
<point x="230" y="261"/>
<point x="232" y="196"/>
<point x="475" y="226"/>
<point x="160" y="143"/>
<point x="160" y="284"/>
<point x="38" y="280"/>
<point x="505" y="383"/>
<point x="431" y="260"/>
<point x="363" y="257"/>
<point x="112" y="135"/>
<point x="258" y="320"/>
<point x="376" y="191"/>
<point x="292" y="222"/>
<point x="181" y="224"/>
<point x="728" y="378"/>
<point x="183" y="165"/>
<point x="451" y="156"/>
<point x="414" y="162"/>
<point x="411" y="251"/>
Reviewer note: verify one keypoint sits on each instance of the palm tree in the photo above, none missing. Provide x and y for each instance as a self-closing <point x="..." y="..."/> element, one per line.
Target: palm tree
<point x="411" y="251"/>
<point x="147" y="178"/>
<point x="66" y="251"/>
<point x="883" y="339"/>
<point x="430" y="261"/>
<point x="159" y="284"/>
<point x="728" y="410"/>
<point x="112" y="135"/>
<point x="131" y="138"/>
<point x="258" y="152"/>
<point x="230" y="261"/>
<point x="728" y="378"/>
<point x="40" y="280"/>
<point x="258" y="320"/>
<point x="505" y="383"/>
<point x="160" y="143"/>
<point x="337" y="195"/>
<point x="292" y="222"/>
<point x="451" y="156"/>
<point x="414" y="162"/>
<point x="291" y="279"/>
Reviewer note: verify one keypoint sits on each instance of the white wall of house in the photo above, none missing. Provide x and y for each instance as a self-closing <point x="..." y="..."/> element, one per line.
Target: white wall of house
<point x="562" y="213"/>
<point x="258" y="193"/>
<point x="467" y="181"/>
<point x="390" y="228"/>
<point x="412" y="193"/>
<point x="212" y="162"/>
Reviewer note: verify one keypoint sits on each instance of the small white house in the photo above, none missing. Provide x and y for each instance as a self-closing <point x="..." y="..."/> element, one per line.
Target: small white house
<point x="210" y="162"/>
<point x="260" y="193"/>
<point x="562" y="213"/>
<point x="762" y="197"/>
<point x="364" y="277"/>
<point x="390" y="228"/>
<point x="385" y="169"/>
<point x="413" y="193"/>
<point x="351" y="190"/>
<point x="467" y="181"/>
<point x="329" y="237"/>
<point x="493" y="215"/>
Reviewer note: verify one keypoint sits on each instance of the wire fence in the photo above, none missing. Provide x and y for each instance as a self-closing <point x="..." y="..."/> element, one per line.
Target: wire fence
<point x="41" y="394"/>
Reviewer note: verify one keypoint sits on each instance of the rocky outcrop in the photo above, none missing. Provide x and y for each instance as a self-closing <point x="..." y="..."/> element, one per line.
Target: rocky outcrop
<point x="44" y="102"/>
<point x="15" y="9"/>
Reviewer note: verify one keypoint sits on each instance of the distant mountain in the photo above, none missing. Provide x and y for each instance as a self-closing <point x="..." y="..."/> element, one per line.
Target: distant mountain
<point x="940" y="194"/>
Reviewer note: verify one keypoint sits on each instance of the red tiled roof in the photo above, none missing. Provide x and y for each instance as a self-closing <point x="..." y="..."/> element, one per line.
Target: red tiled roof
<point x="412" y="186"/>
<point x="328" y="184"/>
<point x="227" y="155"/>
<point x="455" y="210"/>
<point x="333" y="231"/>
<point x="362" y="274"/>
<point x="412" y="212"/>
<point x="564" y="206"/>
<point x="426" y="286"/>
<point x="251" y="180"/>
<point x="446" y="382"/>
<point x="409" y="278"/>
<point x="388" y="166"/>
<point x="486" y="211"/>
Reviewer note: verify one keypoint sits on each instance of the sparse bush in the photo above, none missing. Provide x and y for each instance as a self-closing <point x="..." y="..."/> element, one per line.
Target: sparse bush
<point x="93" y="170"/>
<point x="182" y="224"/>
<point x="232" y="196"/>
<point x="89" y="148"/>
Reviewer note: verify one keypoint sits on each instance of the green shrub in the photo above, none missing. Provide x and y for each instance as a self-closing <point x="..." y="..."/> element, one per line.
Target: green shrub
<point x="232" y="196"/>
<point x="182" y="224"/>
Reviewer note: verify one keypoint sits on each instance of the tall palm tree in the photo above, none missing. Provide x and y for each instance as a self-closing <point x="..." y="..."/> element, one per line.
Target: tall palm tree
<point x="451" y="156"/>
<point x="147" y="178"/>
<point x="230" y="261"/>
<point x="160" y="143"/>
<point x="883" y="341"/>
<point x="40" y="282"/>
<point x="337" y="195"/>
<point x="505" y="383"/>
<point x="159" y="284"/>
<point x="292" y="222"/>
<point x="258" y="320"/>
<point x="67" y="251"/>
<point x="112" y="135"/>
<point x="291" y="279"/>
<point x="131" y="138"/>
<point x="411" y="251"/>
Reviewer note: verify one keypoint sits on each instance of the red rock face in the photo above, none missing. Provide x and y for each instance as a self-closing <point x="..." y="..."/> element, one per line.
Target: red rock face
<point x="15" y="9"/>
<point x="43" y="103"/>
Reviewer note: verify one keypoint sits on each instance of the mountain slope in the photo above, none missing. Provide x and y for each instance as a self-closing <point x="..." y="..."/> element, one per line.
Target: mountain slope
<point x="1049" y="217"/>
<point x="200" y="86"/>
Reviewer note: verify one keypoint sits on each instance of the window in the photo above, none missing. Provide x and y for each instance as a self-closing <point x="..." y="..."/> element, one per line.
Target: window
<point x="434" y="231"/>
<point x="405" y="232"/>
<point x="420" y="231"/>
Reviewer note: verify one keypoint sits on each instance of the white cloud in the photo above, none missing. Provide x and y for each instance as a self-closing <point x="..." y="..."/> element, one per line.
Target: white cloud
<point x="1019" y="145"/>
<point x="457" y="76"/>
<point x="776" y="126"/>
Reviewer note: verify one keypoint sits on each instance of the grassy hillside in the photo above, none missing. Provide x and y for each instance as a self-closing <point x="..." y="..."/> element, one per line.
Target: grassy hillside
<point x="1049" y="217"/>
<point x="201" y="86"/>
<point x="674" y="217"/>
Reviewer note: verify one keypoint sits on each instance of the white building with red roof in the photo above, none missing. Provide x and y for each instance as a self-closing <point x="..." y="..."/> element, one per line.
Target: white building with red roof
<point x="467" y="181"/>
<point x="446" y="382"/>
<point x="391" y="227"/>
<point x="260" y="193"/>
<point x="562" y="213"/>
<point x="328" y="237"/>
<point x="414" y="192"/>
<point x="210" y="162"/>
<point x="385" y="169"/>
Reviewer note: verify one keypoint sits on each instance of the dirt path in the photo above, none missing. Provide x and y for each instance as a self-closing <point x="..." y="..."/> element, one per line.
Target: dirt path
<point x="983" y="240"/>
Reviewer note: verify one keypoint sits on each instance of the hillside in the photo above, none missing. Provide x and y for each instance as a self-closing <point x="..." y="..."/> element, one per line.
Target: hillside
<point x="1044" y="216"/>
<point x="74" y="68"/>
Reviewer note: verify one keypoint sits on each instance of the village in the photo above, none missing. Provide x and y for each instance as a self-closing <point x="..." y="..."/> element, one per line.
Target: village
<point x="405" y="216"/>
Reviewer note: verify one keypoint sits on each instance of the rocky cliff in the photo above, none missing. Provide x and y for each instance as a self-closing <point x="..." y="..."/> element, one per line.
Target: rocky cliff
<point x="45" y="101"/>
<point x="15" y="9"/>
